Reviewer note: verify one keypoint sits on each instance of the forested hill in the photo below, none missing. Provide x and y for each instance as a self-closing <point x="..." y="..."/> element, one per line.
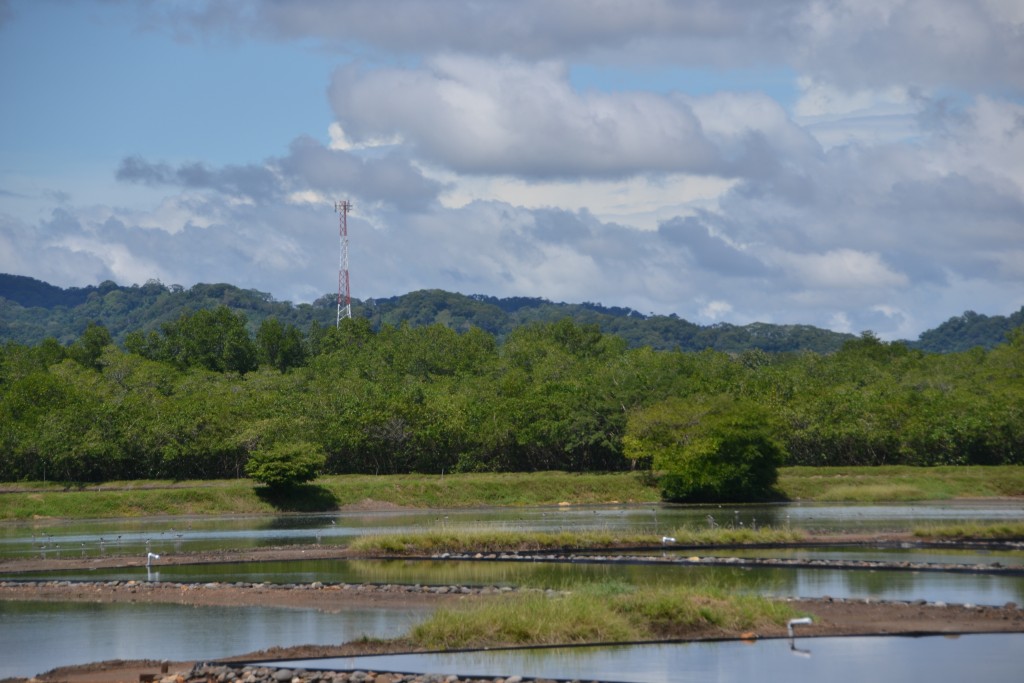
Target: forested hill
<point x="31" y="310"/>
<point x="968" y="331"/>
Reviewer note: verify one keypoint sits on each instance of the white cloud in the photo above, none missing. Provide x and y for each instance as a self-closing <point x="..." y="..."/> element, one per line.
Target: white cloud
<point x="510" y="118"/>
<point x="840" y="322"/>
<point x="841" y="269"/>
<point x="716" y="310"/>
<point x="308" y="197"/>
<point x="965" y="43"/>
<point x="339" y="141"/>
<point x="641" y="201"/>
<point x="836" y="116"/>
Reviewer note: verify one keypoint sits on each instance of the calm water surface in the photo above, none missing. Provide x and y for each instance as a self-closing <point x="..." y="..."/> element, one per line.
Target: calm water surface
<point x="38" y="636"/>
<point x="990" y="658"/>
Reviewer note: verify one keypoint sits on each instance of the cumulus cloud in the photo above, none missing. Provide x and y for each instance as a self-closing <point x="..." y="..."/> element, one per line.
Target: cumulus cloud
<point x="506" y="117"/>
<point x="969" y="44"/>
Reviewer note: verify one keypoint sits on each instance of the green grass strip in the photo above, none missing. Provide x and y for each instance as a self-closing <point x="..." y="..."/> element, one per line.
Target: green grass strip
<point x="896" y="483"/>
<point x="33" y="500"/>
<point x="597" y="613"/>
<point x="1000" y="531"/>
<point x="436" y="542"/>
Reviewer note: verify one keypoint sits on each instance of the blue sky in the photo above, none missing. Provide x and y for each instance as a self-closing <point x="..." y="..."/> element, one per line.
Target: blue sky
<point x="846" y="164"/>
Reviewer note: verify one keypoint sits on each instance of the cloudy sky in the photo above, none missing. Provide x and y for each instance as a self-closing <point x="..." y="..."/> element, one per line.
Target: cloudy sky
<point x="851" y="164"/>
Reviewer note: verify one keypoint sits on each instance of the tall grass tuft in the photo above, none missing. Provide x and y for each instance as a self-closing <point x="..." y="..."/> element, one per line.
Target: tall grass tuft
<point x="999" y="531"/>
<point x="436" y="542"/>
<point x="598" y="613"/>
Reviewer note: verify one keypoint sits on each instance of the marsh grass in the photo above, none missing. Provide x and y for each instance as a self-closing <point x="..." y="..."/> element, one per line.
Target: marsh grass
<point x="484" y="541"/>
<point x="1000" y="531"/>
<point x="734" y="536"/>
<point x="597" y="613"/>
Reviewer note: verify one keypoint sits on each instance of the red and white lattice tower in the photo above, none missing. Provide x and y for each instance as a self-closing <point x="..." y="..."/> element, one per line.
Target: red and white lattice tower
<point x="344" y="297"/>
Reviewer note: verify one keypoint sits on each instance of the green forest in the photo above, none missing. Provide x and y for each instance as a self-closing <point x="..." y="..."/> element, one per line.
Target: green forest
<point x="204" y="392"/>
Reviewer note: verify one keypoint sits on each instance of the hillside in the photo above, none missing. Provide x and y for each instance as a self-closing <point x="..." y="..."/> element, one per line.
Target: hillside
<point x="31" y="310"/>
<point x="968" y="331"/>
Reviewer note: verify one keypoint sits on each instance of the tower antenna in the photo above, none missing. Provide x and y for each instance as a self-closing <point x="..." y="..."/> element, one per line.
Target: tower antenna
<point x="344" y="310"/>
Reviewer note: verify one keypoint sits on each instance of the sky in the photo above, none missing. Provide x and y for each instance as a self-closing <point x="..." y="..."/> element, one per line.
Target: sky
<point x="851" y="164"/>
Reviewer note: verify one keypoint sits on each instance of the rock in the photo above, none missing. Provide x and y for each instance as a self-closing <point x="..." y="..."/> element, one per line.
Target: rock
<point x="283" y="675"/>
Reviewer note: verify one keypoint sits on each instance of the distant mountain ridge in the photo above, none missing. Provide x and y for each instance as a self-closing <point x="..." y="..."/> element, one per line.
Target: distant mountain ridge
<point x="32" y="310"/>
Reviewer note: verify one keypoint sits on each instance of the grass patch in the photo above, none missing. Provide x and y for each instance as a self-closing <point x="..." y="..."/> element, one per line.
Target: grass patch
<point x="900" y="483"/>
<point x="870" y="493"/>
<point x="732" y="536"/>
<point x="21" y="501"/>
<point x="597" y="613"/>
<point x="1002" y="531"/>
<point x="434" y="542"/>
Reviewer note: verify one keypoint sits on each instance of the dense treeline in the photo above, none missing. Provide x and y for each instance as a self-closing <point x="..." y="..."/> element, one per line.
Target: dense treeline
<point x="201" y="395"/>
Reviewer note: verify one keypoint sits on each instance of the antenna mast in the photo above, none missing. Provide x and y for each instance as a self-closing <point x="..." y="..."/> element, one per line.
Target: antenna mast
<point x="344" y="311"/>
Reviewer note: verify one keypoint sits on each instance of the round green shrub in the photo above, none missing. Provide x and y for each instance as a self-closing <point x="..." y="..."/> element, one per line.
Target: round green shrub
<point x="283" y="466"/>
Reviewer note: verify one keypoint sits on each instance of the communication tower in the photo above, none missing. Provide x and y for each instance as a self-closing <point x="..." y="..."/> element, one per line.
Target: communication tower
<point x="344" y="297"/>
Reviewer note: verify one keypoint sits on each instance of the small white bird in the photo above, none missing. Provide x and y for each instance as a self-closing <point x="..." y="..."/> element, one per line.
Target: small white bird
<point x="802" y="621"/>
<point x="667" y="539"/>
<point x="150" y="557"/>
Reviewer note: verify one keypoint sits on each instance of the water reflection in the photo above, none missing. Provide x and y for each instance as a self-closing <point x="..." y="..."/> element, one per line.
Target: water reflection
<point x="38" y="635"/>
<point x="995" y="658"/>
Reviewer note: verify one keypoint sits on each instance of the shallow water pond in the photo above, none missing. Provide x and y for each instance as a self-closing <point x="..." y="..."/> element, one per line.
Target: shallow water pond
<point x="995" y="658"/>
<point x="38" y="636"/>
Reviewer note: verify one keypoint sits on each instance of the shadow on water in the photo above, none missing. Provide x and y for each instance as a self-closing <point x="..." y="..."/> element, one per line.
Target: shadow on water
<point x="299" y="498"/>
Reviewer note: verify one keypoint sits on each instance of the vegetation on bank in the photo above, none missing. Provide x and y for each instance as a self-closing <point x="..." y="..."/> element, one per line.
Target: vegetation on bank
<point x="237" y="496"/>
<point x="461" y="541"/>
<point x="36" y="500"/>
<point x="605" y="612"/>
<point x="973" y="531"/>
